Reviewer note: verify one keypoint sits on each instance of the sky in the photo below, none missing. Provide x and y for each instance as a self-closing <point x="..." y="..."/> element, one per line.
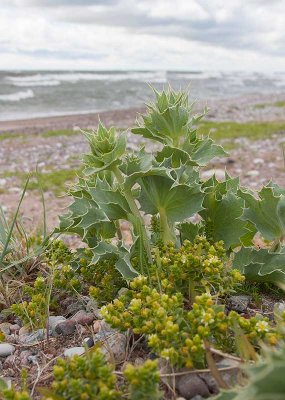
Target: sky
<point x="142" y="35"/>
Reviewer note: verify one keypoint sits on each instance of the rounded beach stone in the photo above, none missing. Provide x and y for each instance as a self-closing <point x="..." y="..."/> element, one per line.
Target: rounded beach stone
<point x="6" y="349"/>
<point x="74" y="351"/>
<point x="65" y="327"/>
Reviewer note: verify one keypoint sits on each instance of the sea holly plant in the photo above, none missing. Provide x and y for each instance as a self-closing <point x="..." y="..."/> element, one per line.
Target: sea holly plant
<point x="118" y="185"/>
<point x="267" y="213"/>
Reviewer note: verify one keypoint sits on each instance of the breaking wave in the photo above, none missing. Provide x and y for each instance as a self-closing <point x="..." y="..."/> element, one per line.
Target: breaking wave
<point x="18" y="96"/>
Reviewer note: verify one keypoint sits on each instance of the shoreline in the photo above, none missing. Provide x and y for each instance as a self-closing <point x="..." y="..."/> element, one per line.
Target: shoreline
<point x="253" y="107"/>
<point x="70" y="121"/>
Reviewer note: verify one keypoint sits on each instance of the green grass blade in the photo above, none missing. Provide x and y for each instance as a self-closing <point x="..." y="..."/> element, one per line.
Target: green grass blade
<point x="13" y="223"/>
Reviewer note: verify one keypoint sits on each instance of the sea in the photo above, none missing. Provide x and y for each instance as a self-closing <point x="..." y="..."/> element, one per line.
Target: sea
<point x="25" y="95"/>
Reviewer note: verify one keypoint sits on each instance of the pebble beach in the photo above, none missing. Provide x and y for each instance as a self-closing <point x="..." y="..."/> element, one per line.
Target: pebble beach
<point x="27" y="145"/>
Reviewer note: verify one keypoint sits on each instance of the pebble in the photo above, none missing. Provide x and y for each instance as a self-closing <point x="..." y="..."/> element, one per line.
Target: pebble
<point x="239" y="303"/>
<point x="252" y="173"/>
<point x="33" y="337"/>
<point x="89" y="342"/>
<point x="164" y="369"/>
<point x="96" y="326"/>
<point x="32" y="359"/>
<point x="102" y="326"/>
<point x="114" y="347"/>
<point x="67" y="327"/>
<point x="6" y="349"/>
<point x="14" y="328"/>
<point x="53" y="321"/>
<point x="72" y="308"/>
<point x="74" y="351"/>
<point x="191" y="385"/>
<point x="83" y="318"/>
<point x="5" y="327"/>
<point x="258" y="161"/>
<point x="92" y="306"/>
<point x="2" y="182"/>
<point x="23" y="331"/>
<point x="231" y="376"/>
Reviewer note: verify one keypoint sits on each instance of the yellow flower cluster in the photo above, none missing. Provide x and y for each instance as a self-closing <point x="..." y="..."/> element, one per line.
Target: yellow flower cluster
<point x="194" y="268"/>
<point x="178" y="334"/>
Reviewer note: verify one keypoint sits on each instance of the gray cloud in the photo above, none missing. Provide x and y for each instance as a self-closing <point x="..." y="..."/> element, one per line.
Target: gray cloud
<point x="239" y="30"/>
<point x="61" y="3"/>
<point x="145" y="28"/>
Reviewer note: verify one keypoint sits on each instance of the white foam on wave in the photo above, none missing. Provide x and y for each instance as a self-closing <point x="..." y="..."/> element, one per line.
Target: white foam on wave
<point x="18" y="96"/>
<point x="198" y="75"/>
<point x="54" y="79"/>
<point x="29" y="83"/>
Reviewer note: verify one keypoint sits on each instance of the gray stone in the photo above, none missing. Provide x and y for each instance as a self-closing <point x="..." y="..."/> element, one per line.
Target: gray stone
<point x="5" y="327"/>
<point x="74" y="308"/>
<point x="239" y="303"/>
<point x="53" y="321"/>
<point x="114" y="347"/>
<point x="74" y="351"/>
<point x="230" y="376"/>
<point x="89" y="342"/>
<point x="6" y="349"/>
<point x="191" y="385"/>
<point x="165" y="369"/>
<point x="101" y="336"/>
<point x="210" y="382"/>
<point x="33" y="337"/>
<point x="65" y="328"/>
<point x="92" y="306"/>
<point x="33" y="359"/>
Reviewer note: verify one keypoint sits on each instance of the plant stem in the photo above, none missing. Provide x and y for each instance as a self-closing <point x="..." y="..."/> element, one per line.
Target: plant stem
<point x="167" y="235"/>
<point x="192" y="293"/>
<point x="134" y="209"/>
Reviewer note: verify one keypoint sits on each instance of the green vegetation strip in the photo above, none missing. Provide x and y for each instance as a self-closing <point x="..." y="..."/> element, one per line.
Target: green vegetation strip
<point x="233" y="130"/>
<point x="54" y="181"/>
<point x="60" y="132"/>
<point x="264" y="105"/>
<point x="218" y="130"/>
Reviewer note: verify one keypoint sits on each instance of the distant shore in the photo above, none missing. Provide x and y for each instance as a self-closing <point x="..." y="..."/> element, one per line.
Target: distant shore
<point x="42" y="124"/>
<point x="255" y="107"/>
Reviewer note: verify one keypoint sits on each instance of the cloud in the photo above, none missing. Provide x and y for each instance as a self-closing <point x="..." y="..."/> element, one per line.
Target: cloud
<point x="186" y="34"/>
